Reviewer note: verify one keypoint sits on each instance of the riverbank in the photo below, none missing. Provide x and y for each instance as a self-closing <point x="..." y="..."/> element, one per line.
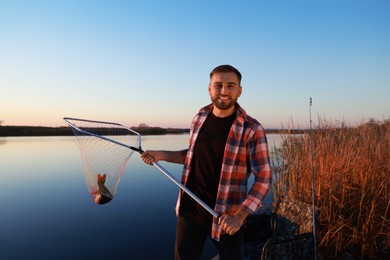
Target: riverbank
<point x="67" y="131"/>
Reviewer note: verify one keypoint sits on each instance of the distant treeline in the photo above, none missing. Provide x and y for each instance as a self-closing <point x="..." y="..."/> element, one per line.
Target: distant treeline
<point x="67" y="131"/>
<point x="143" y="130"/>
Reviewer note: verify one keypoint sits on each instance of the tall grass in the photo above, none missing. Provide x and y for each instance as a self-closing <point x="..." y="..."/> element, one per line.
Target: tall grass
<point x="352" y="192"/>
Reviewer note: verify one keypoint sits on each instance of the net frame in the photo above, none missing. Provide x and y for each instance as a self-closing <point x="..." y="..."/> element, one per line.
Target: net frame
<point x="100" y="154"/>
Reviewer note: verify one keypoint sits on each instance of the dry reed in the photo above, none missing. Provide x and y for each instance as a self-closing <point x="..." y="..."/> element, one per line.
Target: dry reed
<point x="352" y="193"/>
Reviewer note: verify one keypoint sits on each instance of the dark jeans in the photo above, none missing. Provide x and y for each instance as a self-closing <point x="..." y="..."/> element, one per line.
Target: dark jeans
<point x="191" y="237"/>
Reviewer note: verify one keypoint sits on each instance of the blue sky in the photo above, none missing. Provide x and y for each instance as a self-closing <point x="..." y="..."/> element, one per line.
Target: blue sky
<point x="148" y="62"/>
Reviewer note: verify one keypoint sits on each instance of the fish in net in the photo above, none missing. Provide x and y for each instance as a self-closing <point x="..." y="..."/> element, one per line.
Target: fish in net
<point x="103" y="160"/>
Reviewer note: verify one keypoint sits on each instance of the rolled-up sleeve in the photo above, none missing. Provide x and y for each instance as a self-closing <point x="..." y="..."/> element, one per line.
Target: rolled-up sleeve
<point x="260" y="167"/>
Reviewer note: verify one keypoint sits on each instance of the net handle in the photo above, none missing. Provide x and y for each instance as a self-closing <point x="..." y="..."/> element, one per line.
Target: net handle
<point x="184" y="188"/>
<point x="140" y="151"/>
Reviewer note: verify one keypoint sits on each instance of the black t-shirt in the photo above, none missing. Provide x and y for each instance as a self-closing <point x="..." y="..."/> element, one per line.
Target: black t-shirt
<point x="206" y="165"/>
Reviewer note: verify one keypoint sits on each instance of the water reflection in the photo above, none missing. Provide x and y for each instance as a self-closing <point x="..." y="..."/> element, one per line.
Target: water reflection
<point x="3" y="141"/>
<point x="46" y="211"/>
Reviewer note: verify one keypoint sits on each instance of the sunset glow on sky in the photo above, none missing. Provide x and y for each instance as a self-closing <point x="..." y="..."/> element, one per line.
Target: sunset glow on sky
<point x="148" y="62"/>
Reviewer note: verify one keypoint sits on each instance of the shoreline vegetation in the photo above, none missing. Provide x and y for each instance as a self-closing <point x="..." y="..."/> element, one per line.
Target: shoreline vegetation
<point x="15" y="131"/>
<point x="352" y="185"/>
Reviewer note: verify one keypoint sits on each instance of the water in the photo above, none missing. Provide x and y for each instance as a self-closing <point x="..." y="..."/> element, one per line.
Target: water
<point x="47" y="213"/>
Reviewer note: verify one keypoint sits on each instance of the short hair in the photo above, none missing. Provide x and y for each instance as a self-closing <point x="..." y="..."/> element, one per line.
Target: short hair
<point x="226" y="68"/>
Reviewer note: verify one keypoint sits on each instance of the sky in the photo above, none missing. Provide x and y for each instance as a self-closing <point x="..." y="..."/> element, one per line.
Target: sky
<point x="134" y="62"/>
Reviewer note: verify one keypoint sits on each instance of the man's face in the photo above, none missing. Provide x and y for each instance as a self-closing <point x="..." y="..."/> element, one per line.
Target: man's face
<point x="224" y="90"/>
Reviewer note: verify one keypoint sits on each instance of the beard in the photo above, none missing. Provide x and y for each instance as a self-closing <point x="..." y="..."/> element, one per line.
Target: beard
<point x="224" y="104"/>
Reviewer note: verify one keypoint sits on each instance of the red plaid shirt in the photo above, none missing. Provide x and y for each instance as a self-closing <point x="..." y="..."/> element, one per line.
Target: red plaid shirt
<point x="246" y="152"/>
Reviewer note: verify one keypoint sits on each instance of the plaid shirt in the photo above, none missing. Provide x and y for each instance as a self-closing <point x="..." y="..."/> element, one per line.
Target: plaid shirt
<point x="246" y="152"/>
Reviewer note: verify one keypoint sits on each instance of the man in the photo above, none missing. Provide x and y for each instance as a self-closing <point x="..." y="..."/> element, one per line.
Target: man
<point x="226" y="147"/>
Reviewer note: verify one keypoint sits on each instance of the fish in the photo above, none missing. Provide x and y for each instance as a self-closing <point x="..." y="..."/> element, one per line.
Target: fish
<point x="102" y="194"/>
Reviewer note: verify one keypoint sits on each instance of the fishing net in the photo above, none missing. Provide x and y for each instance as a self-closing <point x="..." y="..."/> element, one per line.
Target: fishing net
<point x="105" y="149"/>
